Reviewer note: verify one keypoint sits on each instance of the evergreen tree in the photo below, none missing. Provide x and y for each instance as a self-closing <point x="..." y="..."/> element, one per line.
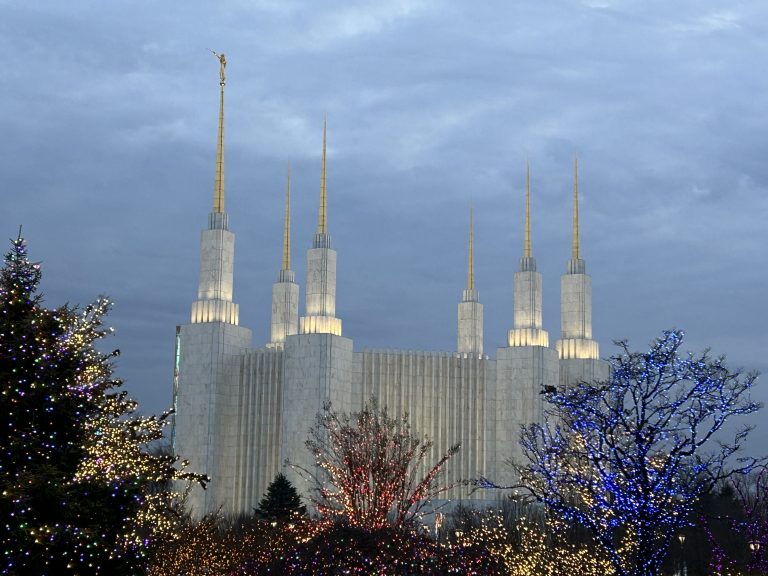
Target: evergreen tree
<point x="281" y="501"/>
<point x="77" y="484"/>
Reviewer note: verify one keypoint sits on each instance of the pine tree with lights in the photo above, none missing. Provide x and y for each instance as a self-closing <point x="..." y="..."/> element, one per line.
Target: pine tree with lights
<point x="78" y="487"/>
<point x="628" y="458"/>
<point x="281" y="501"/>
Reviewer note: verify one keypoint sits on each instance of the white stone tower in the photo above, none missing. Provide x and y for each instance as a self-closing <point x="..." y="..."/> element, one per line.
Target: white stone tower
<point x="527" y="329"/>
<point x="528" y="363"/>
<point x="204" y="432"/>
<point x="285" y="292"/>
<point x="320" y="313"/>
<point x="318" y="360"/>
<point x="579" y="353"/>
<point x="470" y="339"/>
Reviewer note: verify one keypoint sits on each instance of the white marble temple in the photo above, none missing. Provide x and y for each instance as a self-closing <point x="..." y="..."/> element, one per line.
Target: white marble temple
<point x="243" y="411"/>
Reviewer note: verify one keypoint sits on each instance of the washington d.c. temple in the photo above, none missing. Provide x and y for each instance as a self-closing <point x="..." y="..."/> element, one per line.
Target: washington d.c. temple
<point x="243" y="410"/>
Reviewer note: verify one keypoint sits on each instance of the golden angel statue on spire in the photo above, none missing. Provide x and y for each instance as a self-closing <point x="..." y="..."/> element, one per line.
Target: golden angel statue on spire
<point x="223" y="63"/>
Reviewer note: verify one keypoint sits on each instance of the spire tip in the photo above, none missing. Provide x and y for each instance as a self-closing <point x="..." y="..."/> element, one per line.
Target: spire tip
<point x="575" y="247"/>
<point x="527" y="241"/>
<point x="471" y="266"/>
<point x="287" y="224"/>
<point x="322" y="217"/>
<point x="218" y="191"/>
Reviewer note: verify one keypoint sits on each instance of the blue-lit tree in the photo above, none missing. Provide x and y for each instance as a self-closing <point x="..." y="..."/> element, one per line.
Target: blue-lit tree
<point x="628" y="458"/>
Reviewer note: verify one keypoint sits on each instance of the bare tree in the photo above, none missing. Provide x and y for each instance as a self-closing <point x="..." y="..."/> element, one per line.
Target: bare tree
<point x="374" y="466"/>
<point x="628" y="458"/>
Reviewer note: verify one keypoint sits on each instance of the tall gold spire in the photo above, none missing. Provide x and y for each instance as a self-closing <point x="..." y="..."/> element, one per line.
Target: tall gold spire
<point x="471" y="266"/>
<point x="322" y="216"/>
<point x="527" y="241"/>
<point x="287" y="225"/>
<point x="218" y="190"/>
<point x="575" y="248"/>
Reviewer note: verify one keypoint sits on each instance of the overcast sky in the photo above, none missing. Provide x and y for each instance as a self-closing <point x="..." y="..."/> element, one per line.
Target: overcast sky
<point x="107" y="147"/>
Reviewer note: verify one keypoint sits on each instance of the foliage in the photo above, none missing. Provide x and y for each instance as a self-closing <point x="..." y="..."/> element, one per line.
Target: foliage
<point x="78" y="488"/>
<point x="629" y="457"/>
<point x="312" y="546"/>
<point x="375" y="467"/>
<point x="281" y="501"/>
<point x="339" y="547"/>
<point x="213" y="545"/>
<point x="524" y="543"/>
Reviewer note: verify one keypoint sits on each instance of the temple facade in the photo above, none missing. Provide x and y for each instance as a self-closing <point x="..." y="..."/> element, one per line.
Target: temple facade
<point x="242" y="411"/>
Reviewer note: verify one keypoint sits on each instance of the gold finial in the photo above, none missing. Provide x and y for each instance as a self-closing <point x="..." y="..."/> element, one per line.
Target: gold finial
<point x="527" y="240"/>
<point x="575" y="249"/>
<point x="287" y="225"/>
<point x="218" y="190"/>
<point x="471" y="267"/>
<point x="222" y="66"/>
<point x="322" y="216"/>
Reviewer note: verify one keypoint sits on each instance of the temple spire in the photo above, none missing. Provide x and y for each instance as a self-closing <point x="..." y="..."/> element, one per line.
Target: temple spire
<point x="218" y="190"/>
<point x="320" y="307"/>
<point x="527" y="328"/>
<point x="322" y="216"/>
<point x="527" y="241"/>
<point x="576" y="341"/>
<point x="285" y="292"/>
<point x="471" y="267"/>
<point x="217" y="244"/>
<point x="287" y="225"/>
<point x="470" y="311"/>
<point x="575" y="248"/>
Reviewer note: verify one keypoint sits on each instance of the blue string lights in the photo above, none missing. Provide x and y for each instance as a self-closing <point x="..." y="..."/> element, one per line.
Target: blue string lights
<point x="627" y="458"/>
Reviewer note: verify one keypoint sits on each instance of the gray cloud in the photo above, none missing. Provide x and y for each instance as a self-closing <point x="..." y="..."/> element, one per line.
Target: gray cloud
<point x="109" y="120"/>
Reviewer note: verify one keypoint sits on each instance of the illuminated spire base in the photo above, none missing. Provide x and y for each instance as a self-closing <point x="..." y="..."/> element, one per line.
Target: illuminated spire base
<point x="578" y="348"/>
<point x="215" y="311"/>
<point x="320" y="325"/>
<point x="527" y="337"/>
